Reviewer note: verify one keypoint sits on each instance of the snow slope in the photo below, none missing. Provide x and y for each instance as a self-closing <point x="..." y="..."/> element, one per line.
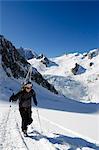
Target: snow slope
<point x="65" y="124"/>
<point x="84" y="86"/>
<point x="53" y="137"/>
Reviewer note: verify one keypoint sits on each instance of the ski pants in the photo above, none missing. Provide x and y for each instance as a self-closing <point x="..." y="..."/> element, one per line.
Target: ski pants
<point x="26" y="117"/>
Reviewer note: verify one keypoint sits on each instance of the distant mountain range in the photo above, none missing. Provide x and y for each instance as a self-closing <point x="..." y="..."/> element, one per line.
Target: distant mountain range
<point x="73" y="75"/>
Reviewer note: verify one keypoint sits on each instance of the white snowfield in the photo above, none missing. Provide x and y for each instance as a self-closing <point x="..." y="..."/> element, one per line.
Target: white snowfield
<point x="65" y="123"/>
<point x="59" y="128"/>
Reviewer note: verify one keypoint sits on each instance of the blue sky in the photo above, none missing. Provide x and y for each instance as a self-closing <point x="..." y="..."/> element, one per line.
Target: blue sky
<point x="53" y="27"/>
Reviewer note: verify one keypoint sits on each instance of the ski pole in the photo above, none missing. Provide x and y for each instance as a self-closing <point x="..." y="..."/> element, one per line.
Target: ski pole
<point x="10" y="104"/>
<point x="39" y="120"/>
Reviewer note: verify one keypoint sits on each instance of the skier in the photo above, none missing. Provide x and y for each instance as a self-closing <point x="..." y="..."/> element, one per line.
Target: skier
<point x="25" y="99"/>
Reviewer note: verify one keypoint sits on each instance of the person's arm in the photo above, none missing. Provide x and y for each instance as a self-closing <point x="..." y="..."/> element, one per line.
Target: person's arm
<point x="14" y="97"/>
<point x="34" y="97"/>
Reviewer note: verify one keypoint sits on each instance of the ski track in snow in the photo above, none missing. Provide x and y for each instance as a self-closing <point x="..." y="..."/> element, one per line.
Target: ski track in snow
<point x="3" y="124"/>
<point x="11" y="137"/>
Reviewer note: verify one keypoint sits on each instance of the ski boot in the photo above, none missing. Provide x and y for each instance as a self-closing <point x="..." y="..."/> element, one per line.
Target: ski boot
<point x="25" y="133"/>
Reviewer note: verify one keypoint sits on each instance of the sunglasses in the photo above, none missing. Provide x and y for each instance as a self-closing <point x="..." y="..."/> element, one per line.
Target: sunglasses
<point x="28" y="88"/>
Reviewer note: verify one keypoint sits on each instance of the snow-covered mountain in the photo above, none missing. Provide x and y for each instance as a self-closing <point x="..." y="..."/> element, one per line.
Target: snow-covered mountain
<point x="59" y="123"/>
<point x="65" y="123"/>
<point x="74" y="75"/>
<point x="15" y="65"/>
<point x="27" y="53"/>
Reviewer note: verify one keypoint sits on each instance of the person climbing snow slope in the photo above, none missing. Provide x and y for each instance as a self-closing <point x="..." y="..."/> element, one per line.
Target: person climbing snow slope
<point x="25" y="97"/>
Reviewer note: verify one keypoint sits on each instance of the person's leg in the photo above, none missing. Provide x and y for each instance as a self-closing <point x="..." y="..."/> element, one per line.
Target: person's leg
<point x="23" y="113"/>
<point x="29" y="116"/>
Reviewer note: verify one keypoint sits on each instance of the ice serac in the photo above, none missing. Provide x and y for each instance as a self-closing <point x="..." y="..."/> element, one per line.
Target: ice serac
<point x="17" y="66"/>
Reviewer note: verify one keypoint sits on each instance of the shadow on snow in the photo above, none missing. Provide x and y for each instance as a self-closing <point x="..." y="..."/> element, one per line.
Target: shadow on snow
<point x="73" y="142"/>
<point x="69" y="105"/>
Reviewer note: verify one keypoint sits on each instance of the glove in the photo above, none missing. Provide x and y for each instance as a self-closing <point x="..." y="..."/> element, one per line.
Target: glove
<point x="11" y="99"/>
<point x="36" y="103"/>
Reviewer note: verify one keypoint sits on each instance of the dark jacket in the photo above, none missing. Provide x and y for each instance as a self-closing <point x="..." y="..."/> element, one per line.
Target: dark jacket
<point x="25" y="98"/>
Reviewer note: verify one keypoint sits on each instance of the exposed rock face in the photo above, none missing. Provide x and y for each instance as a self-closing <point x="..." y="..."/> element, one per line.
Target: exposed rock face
<point x="78" y="69"/>
<point x="12" y="60"/>
<point x="75" y="69"/>
<point x="27" y="53"/>
<point x="40" y="56"/>
<point x="93" y="53"/>
<point x="91" y="64"/>
<point x="46" y="61"/>
<point x="84" y="55"/>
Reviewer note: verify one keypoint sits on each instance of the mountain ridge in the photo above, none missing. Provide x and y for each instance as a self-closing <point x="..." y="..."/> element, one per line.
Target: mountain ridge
<point x="74" y="75"/>
<point x="15" y="65"/>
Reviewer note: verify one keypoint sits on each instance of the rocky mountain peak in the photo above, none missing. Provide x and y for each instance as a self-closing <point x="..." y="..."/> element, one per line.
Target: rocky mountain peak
<point x="13" y="60"/>
<point x="27" y="53"/>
